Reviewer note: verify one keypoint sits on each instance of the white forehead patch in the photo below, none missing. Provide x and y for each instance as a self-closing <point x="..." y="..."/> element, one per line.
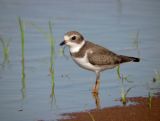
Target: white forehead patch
<point x="66" y="37"/>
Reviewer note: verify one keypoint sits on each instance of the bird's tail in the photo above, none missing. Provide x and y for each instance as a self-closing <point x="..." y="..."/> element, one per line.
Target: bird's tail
<point x="134" y="59"/>
<point x="128" y="59"/>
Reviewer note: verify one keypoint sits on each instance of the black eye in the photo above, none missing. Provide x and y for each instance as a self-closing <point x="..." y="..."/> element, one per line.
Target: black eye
<point x="74" y="37"/>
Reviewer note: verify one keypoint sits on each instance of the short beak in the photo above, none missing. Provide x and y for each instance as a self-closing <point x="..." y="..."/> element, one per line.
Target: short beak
<point x="62" y="43"/>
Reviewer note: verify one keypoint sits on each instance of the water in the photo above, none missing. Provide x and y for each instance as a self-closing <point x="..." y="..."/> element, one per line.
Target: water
<point x="111" y="23"/>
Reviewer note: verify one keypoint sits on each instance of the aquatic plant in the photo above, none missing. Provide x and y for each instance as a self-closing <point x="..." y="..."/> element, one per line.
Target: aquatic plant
<point x="118" y="72"/>
<point x="122" y="77"/>
<point x="124" y="95"/>
<point x="51" y="55"/>
<point x="123" y="91"/>
<point x="49" y="36"/>
<point x="5" y="45"/>
<point x="125" y="78"/>
<point x="21" y="28"/>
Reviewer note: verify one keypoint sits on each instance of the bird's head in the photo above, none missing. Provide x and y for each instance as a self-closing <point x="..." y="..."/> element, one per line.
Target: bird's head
<point x="74" y="40"/>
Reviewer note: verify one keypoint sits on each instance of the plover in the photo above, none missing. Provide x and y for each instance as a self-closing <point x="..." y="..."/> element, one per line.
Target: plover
<point x="93" y="57"/>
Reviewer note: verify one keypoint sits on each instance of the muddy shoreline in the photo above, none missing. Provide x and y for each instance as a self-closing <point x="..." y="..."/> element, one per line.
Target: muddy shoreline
<point x="142" y="110"/>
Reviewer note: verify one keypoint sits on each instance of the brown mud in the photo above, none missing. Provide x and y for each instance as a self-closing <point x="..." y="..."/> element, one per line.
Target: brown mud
<point x="142" y="110"/>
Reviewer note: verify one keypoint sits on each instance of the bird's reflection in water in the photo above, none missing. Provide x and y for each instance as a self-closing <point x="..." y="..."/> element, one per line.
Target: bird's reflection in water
<point x="97" y="100"/>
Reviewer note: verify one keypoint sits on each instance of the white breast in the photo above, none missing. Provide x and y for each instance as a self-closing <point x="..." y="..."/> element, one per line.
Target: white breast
<point x="84" y="63"/>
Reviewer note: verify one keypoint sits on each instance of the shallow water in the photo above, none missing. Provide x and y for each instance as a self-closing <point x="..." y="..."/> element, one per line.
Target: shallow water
<point x="115" y="24"/>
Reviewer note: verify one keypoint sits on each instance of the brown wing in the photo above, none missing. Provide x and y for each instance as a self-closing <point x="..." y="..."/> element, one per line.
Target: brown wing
<point x="98" y="55"/>
<point x="108" y="58"/>
<point x="103" y="56"/>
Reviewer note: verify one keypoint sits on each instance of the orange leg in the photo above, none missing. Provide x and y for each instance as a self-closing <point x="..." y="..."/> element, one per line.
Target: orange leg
<point x="97" y="84"/>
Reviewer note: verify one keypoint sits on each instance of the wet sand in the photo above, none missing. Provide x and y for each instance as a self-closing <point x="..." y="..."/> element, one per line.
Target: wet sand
<point x="140" y="111"/>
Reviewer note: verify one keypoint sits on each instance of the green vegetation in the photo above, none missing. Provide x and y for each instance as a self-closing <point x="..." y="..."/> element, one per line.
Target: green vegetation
<point x="118" y="72"/>
<point x="49" y="36"/>
<point x="51" y="56"/>
<point x="123" y="78"/>
<point x="21" y="28"/>
<point x="5" y="45"/>
<point x="124" y="92"/>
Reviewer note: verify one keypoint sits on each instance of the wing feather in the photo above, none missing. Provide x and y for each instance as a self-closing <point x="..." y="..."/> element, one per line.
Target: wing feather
<point x="107" y="58"/>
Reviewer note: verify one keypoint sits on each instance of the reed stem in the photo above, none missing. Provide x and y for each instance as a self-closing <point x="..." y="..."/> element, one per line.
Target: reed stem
<point x="51" y="55"/>
<point x="21" y="27"/>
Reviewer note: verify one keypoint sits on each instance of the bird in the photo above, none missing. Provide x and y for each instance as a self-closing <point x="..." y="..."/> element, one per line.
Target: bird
<point x="93" y="57"/>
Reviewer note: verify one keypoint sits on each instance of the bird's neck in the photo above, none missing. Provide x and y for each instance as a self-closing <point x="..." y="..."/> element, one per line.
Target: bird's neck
<point x="76" y="47"/>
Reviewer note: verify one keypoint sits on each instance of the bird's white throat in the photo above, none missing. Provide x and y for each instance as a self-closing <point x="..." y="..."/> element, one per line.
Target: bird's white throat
<point x="75" y="47"/>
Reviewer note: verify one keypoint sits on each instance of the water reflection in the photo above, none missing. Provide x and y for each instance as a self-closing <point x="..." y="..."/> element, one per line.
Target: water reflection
<point x="23" y="79"/>
<point x="23" y="86"/>
<point x="5" y="45"/>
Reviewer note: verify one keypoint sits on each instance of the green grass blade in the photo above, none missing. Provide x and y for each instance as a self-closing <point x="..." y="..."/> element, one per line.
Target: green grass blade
<point x="21" y="27"/>
<point x="51" y="38"/>
<point x="51" y="45"/>
<point x="128" y="90"/>
<point x="118" y="72"/>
